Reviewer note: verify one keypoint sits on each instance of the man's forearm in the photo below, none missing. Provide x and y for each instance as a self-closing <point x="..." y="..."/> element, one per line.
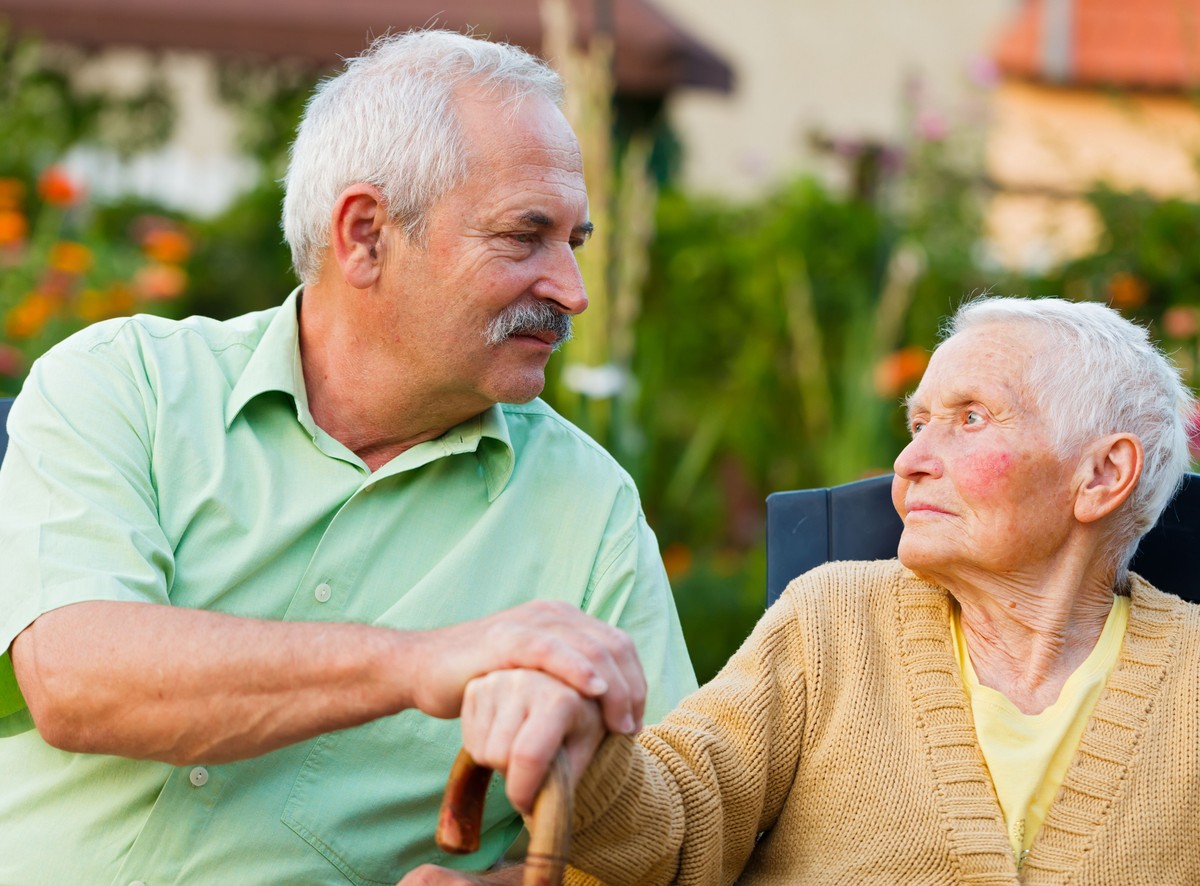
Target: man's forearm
<point x="182" y="685"/>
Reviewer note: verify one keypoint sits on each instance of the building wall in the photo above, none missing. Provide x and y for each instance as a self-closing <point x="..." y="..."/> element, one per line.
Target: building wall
<point x="200" y="168"/>
<point x="840" y="70"/>
<point x="804" y="70"/>
<point x="1047" y="146"/>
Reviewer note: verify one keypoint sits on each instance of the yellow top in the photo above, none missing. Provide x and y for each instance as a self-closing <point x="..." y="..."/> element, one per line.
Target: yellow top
<point x="1029" y="754"/>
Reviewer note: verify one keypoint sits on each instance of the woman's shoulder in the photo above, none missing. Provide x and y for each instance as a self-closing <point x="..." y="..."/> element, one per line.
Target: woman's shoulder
<point x="855" y="577"/>
<point x="1145" y="598"/>
<point x="856" y="589"/>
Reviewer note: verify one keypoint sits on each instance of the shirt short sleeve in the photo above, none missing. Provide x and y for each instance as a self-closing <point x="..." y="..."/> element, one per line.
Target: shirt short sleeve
<point x="630" y="589"/>
<point x="78" y="504"/>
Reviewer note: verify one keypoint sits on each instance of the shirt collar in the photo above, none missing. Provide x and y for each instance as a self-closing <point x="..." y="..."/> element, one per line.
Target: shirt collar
<point x="495" y="452"/>
<point x="275" y="366"/>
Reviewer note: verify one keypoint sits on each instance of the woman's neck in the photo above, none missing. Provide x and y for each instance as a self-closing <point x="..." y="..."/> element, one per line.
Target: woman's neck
<point x="1027" y="637"/>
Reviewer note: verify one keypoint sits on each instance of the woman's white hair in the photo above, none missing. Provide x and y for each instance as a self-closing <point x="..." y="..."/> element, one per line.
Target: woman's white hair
<point x="389" y="120"/>
<point x="1101" y="374"/>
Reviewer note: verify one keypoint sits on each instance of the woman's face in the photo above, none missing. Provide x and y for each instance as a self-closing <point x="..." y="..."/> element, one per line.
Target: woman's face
<point x="978" y="488"/>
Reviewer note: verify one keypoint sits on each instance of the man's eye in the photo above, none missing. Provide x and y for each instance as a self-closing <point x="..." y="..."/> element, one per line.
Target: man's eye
<point x="974" y="418"/>
<point x="917" y="427"/>
<point x="525" y="237"/>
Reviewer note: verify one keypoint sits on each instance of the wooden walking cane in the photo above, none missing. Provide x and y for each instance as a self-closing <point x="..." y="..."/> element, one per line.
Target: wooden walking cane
<point x="461" y="817"/>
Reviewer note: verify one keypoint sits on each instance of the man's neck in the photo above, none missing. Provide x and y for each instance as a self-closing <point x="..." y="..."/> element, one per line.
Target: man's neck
<point x="357" y="396"/>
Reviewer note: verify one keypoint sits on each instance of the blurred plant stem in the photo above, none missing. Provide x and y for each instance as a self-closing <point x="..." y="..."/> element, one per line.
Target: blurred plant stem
<point x="595" y="386"/>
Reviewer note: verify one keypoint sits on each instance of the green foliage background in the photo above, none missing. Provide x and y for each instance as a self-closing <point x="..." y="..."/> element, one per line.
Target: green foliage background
<point x="764" y="356"/>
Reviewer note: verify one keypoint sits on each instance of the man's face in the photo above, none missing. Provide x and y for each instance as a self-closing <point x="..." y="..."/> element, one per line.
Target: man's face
<point x="479" y="304"/>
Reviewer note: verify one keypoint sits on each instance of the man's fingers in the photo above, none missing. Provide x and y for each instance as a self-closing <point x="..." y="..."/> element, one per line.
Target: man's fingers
<point x="594" y="658"/>
<point x="612" y="653"/>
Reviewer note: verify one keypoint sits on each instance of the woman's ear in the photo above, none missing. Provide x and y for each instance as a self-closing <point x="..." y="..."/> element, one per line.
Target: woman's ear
<point x="359" y="215"/>
<point x="1108" y="473"/>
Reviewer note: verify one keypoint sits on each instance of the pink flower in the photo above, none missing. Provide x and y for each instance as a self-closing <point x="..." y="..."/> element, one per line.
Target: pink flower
<point x="1180" y="322"/>
<point x="1193" y="434"/>
<point x="982" y="71"/>
<point x="931" y="126"/>
<point x="12" y="361"/>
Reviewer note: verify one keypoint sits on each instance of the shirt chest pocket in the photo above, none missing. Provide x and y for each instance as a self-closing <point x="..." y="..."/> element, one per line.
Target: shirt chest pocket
<point x="367" y="799"/>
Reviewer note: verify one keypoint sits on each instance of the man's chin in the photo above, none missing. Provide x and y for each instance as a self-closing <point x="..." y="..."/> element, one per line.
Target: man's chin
<point x="520" y="390"/>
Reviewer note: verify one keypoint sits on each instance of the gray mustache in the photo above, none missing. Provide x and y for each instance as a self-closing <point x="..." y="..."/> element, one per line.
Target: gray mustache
<point x="529" y="318"/>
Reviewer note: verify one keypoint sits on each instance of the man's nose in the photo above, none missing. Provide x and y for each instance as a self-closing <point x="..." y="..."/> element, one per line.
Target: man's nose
<point x="561" y="281"/>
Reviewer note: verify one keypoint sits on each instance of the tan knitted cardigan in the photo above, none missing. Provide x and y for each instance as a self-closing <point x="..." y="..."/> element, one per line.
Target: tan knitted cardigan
<point x="840" y="733"/>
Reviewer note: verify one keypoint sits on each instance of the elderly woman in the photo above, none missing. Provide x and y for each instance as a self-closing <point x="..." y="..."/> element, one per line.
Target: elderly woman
<point x="1005" y="703"/>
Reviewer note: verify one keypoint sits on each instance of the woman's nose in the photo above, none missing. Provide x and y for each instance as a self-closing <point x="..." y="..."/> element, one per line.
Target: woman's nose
<point x="918" y="458"/>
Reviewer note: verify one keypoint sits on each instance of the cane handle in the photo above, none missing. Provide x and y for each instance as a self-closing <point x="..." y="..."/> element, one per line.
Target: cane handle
<point x="461" y="817"/>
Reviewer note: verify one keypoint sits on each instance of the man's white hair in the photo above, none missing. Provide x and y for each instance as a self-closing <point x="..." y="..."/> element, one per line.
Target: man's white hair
<point x="1100" y="374"/>
<point x="389" y="120"/>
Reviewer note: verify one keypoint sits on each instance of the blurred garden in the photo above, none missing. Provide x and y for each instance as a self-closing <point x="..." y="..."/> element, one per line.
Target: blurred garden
<point x="731" y="350"/>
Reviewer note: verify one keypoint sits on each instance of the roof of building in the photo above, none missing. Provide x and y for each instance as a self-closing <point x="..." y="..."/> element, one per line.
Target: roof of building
<point x="1137" y="44"/>
<point x="652" y="54"/>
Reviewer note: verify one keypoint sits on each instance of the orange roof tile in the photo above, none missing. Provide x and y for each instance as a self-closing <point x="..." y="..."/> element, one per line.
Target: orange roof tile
<point x="1149" y="44"/>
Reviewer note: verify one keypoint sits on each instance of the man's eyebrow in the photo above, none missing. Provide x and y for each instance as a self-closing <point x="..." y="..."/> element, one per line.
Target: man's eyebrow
<point x="541" y="220"/>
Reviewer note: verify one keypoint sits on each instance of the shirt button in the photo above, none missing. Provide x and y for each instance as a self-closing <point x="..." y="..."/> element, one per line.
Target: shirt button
<point x="198" y="776"/>
<point x="323" y="592"/>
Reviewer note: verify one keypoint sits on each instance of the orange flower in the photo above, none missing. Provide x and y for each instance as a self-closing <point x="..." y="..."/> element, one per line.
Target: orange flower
<point x="56" y="187"/>
<point x="159" y="282"/>
<point x="166" y="245"/>
<point x="677" y="558"/>
<point x="1125" y="291"/>
<point x="13" y="226"/>
<point x="12" y="190"/>
<point x="120" y="299"/>
<point x="91" y="306"/>
<point x="70" y="258"/>
<point x="28" y="317"/>
<point x="94" y="305"/>
<point x="896" y="372"/>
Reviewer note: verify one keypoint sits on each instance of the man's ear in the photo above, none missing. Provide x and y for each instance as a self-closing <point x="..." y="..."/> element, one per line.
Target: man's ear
<point x="359" y="215"/>
<point x="1108" y="473"/>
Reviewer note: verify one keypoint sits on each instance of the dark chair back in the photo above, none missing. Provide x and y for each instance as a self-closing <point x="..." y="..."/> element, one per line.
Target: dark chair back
<point x="5" y="405"/>
<point x="856" y="521"/>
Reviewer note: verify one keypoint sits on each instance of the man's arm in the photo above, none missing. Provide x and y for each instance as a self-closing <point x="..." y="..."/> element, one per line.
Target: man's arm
<point x="181" y="685"/>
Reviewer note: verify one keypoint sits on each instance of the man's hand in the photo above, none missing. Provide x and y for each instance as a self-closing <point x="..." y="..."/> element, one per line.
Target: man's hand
<point x="515" y="722"/>
<point x="594" y="659"/>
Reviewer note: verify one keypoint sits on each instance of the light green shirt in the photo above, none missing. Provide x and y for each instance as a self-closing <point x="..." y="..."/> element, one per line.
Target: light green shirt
<point x="177" y="462"/>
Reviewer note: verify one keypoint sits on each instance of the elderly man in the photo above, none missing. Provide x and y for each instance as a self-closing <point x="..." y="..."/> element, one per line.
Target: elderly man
<point x="245" y="560"/>
<point x="1005" y="703"/>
